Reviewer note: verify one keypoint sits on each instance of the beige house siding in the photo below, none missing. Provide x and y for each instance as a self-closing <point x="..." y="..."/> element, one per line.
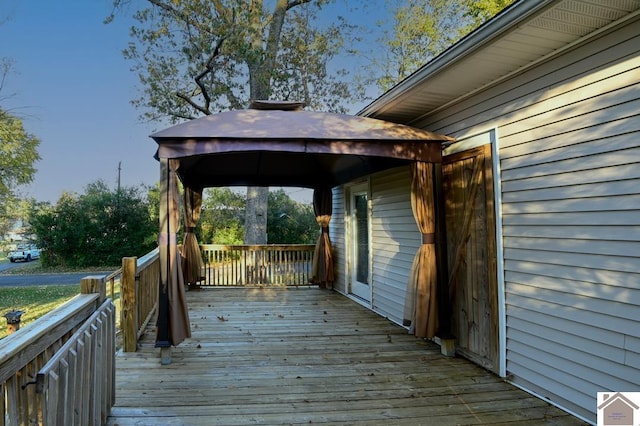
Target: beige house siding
<point x="394" y="240"/>
<point x="337" y="234"/>
<point x="569" y="148"/>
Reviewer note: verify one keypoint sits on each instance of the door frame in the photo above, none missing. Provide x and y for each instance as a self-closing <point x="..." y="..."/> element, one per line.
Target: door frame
<point x="363" y="294"/>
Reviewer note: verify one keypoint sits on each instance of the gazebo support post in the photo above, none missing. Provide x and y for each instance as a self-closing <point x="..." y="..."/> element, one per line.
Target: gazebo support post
<point x="162" y="336"/>
<point x="445" y="314"/>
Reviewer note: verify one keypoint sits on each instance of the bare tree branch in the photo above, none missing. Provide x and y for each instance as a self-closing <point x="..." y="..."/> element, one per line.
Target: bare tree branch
<point x="208" y="70"/>
<point x="191" y="102"/>
<point x="5" y="69"/>
<point x="294" y="3"/>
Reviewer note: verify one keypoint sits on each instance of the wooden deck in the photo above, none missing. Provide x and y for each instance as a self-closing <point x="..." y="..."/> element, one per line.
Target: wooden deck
<point x="308" y="356"/>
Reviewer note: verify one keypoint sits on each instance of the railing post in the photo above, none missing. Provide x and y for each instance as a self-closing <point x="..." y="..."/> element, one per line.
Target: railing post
<point x="94" y="284"/>
<point x="128" y="310"/>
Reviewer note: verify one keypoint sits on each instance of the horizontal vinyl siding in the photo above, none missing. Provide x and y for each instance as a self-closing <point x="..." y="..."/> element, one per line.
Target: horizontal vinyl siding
<point x="613" y="55"/>
<point x="337" y="233"/>
<point x="395" y="240"/>
<point x="569" y="138"/>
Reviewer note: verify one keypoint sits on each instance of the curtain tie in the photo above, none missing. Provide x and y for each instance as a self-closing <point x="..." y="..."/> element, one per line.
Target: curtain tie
<point x="325" y="229"/>
<point x="429" y="238"/>
<point x="190" y="229"/>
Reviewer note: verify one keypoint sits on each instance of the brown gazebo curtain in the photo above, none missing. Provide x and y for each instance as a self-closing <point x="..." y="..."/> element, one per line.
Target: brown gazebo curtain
<point x="173" y="317"/>
<point x="420" y="311"/>
<point x="192" y="264"/>
<point x="322" y="258"/>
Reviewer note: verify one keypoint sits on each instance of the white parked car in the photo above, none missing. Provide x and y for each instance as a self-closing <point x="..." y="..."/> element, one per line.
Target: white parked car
<point x="26" y="253"/>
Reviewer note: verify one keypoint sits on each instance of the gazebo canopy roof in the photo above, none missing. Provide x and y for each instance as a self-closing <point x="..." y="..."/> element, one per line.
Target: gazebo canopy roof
<point x="279" y="144"/>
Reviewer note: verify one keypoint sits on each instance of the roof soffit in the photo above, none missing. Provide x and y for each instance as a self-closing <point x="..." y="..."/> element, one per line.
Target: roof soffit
<point x="522" y="35"/>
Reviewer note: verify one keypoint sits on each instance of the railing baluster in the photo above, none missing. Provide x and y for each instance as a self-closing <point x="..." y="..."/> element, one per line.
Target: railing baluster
<point x="274" y="264"/>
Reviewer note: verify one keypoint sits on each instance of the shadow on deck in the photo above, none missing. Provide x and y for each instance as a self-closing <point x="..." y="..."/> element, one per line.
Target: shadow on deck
<point x="308" y="356"/>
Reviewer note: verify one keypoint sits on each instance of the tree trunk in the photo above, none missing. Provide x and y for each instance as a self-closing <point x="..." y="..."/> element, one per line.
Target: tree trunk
<point x="255" y="231"/>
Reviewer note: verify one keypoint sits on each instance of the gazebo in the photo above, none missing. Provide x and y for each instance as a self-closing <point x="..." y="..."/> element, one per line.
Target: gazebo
<point x="281" y="144"/>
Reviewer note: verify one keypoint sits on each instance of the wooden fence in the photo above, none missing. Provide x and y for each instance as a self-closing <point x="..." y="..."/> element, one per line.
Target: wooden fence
<point x="138" y="296"/>
<point x="272" y="264"/>
<point x="35" y="376"/>
<point x="77" y="384"/>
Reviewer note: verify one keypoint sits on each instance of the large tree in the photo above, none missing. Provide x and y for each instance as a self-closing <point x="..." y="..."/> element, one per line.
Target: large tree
<point x="197" y="58"/>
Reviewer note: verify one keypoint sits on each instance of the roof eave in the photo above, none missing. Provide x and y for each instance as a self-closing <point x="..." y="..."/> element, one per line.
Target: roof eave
<point x="504" y="21"/>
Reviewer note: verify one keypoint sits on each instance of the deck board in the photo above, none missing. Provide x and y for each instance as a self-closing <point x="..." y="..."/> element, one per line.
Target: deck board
<point x="305" y="355"/>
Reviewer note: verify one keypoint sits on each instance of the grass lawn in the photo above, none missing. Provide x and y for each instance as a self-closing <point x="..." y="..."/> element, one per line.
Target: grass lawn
<point x="36" y="301"/>
<point x="35" y="267"/>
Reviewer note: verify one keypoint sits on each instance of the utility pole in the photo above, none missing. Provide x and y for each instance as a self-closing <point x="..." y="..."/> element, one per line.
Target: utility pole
<point x="119" y="169"/>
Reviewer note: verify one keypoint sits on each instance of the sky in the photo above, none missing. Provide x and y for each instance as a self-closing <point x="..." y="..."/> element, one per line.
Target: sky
<point x="72" y="88"/>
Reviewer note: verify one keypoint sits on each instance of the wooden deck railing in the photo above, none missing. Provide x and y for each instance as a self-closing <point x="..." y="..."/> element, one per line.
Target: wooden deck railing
<point x="77" y="385"/>
<point x="138" y="296"/>
<point x="272" y="264"/>
<point x="33" y="371"/>
<point x="60" y="369"/>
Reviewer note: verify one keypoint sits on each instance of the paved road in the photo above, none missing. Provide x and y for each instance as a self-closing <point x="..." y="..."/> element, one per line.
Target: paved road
<point x="8" y="265"/>
<point x="11" y="280"/>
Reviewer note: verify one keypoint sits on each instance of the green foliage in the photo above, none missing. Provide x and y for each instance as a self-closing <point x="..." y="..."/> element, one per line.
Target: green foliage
<point x="97" y="228"/>
<point x="423" y="29"/>
<point x="222" y="217"/>
<point x="198" y="58"/>
<point x="18" y="153"/>
<point x="305" y="51"/>
<point x="290" y="222"/>
<point x="223" y="212"/>
<point x="479" y="11"/>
